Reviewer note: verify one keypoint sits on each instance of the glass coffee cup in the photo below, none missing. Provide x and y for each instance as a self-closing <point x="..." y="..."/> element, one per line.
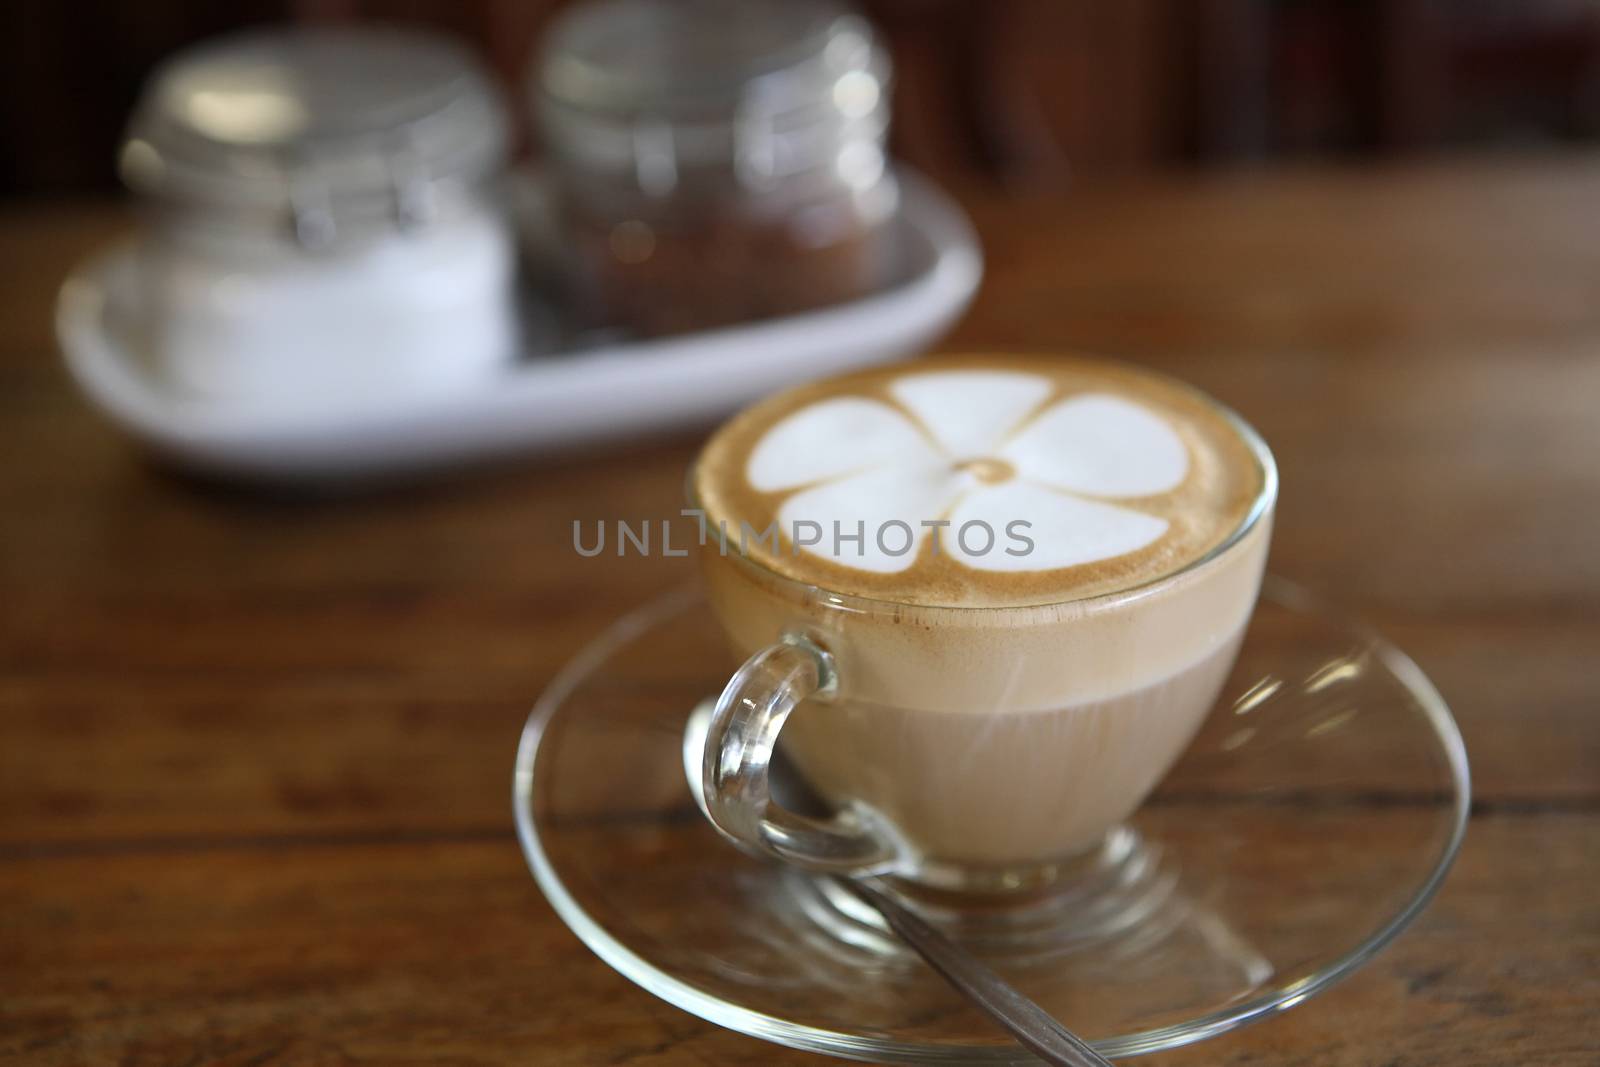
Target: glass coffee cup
<point x="976" y="742"/>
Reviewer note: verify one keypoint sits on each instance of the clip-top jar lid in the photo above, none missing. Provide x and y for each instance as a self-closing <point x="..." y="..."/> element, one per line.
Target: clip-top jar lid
<point x="708" y="80"/>
<point x="360" y="118"/>
<point x="672" y="55"/>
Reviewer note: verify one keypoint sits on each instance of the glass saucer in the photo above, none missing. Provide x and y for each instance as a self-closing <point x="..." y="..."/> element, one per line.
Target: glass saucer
<point x="1313" y="817"/>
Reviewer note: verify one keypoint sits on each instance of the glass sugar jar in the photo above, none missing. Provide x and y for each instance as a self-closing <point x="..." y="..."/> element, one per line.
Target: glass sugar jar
<point x="322" y="219"/>
<point x="716" y="161"/>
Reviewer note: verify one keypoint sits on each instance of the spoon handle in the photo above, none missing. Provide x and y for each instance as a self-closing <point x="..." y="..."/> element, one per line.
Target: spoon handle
<point x="1021" y="1017"/>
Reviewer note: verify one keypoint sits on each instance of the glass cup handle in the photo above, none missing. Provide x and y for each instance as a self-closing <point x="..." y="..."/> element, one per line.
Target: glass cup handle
<point x="738" y="750"/>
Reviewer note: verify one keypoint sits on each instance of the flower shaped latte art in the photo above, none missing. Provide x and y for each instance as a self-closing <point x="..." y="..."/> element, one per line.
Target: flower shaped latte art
<point x="978" y="450"/>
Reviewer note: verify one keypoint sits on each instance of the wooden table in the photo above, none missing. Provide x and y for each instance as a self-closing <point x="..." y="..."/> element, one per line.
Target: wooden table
<point x="255" y="750"/>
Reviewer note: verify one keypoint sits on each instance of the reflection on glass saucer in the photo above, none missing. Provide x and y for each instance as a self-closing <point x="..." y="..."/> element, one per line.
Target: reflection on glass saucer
<point x="1310" y="821"/>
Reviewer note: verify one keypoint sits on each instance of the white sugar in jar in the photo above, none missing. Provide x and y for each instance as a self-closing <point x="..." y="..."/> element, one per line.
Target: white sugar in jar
<point x="323" y="225"/>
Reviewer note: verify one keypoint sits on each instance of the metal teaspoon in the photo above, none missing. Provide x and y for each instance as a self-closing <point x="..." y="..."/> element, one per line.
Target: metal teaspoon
<point x="1033" y="1027"/>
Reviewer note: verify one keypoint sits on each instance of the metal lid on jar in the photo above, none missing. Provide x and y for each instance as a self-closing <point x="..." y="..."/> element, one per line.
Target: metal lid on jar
<point x="770" y="86"/>
<point x="316" y="125"/>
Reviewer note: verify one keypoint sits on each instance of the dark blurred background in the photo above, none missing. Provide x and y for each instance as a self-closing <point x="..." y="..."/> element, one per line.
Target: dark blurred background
<point x="1023" y="92"/>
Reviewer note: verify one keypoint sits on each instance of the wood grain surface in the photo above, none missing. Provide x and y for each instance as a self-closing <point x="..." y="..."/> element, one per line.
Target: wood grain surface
<point x="255" y="749"/>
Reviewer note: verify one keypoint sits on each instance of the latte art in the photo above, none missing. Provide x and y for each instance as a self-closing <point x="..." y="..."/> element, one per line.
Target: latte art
<point x="964" y="484"/>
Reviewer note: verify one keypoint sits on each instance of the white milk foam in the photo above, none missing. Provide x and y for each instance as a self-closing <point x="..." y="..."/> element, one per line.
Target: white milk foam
<point x="980" y="482"/>
<point x="972" y="446"/>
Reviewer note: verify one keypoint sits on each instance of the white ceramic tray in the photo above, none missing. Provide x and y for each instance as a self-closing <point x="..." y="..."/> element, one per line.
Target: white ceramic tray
<point x="542" y="402"/>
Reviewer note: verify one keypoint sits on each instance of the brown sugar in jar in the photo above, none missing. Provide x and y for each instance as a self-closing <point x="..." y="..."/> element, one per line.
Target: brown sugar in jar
<point x="717" y="162"/>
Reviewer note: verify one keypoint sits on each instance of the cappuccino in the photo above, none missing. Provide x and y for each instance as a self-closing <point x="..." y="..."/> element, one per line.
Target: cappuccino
<point x="1032" y="575"/>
